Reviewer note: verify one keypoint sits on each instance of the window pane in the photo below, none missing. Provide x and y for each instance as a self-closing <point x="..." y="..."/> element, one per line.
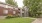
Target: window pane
<point x="14" y="12"/>
<point x="5" y="11"/>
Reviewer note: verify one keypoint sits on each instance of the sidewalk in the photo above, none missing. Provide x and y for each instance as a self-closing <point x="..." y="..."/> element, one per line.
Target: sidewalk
<point x="3" y="17"/>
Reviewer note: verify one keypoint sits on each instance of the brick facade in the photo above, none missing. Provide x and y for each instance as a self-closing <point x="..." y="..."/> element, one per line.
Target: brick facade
<point x="9" y="8"/>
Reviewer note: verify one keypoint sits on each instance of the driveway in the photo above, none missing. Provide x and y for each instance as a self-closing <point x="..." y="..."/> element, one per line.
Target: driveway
<point x="38" y="20"/>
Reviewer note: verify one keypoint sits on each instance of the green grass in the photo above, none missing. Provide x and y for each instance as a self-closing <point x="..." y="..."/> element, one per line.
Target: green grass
<point x="16" y="20"/>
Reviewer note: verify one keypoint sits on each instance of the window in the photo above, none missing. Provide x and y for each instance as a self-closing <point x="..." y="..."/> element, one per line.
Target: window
<point x="5" y="11"/>
<point x="14" y="12"/>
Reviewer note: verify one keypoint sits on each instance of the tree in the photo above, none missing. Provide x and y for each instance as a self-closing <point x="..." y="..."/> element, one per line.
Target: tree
<point x="11" y="2"/>
<point x="34" y="6"/>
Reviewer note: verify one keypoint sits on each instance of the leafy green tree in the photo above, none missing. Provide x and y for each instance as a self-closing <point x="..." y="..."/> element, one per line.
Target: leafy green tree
<point x="34" y="6"/>
<point x="11" y="2"/>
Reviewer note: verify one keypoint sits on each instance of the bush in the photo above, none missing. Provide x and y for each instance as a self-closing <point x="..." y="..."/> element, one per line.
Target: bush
<point x="12" y="16"/>
<point x="35" y="15"/>
<point x="9" y="16"/>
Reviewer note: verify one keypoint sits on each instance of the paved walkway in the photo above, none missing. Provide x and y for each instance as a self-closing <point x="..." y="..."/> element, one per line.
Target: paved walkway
<point x="38" y="20"/>
<point x="3" y="17"/>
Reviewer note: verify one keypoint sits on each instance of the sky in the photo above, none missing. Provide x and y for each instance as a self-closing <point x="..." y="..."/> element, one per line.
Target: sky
<point x="20" y="2"/>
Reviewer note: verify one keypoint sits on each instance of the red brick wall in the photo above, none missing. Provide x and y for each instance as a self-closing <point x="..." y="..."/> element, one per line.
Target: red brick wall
<point x="1" y="10"/>
<point x="10" y="11"/>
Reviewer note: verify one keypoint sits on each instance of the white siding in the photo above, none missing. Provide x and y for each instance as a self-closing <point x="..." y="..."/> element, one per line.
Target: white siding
<point x="6" y="6"/>
<point x="9" y="7"/>
<point x="16" y="8"/>
<point x="2" y="5"/>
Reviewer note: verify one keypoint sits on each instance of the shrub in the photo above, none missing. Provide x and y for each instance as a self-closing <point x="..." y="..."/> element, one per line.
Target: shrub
<point x="12" y="16"/>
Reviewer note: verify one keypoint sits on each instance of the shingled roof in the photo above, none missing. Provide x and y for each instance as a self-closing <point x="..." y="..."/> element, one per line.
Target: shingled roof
<point x="6" y="4"/>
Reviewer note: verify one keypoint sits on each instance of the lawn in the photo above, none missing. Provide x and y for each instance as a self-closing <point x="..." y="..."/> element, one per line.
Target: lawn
<point x="16" y="20"/>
